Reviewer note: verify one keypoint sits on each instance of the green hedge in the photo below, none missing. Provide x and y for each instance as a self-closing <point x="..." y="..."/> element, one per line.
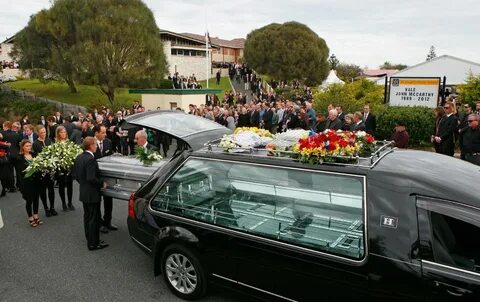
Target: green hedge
<point x="14" y="107"/>
<point x="419" y="122"/>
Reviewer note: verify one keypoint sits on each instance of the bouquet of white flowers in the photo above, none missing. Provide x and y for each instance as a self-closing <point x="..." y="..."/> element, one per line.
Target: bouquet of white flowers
<point x="54" y="159"/>
<point x="147" y="157"/>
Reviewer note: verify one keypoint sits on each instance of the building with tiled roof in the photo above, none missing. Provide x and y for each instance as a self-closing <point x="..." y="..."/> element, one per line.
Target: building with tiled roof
<point x="229" y="51"/>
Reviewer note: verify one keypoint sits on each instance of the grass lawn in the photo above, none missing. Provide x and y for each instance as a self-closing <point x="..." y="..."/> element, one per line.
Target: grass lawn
<point x="89" y="96"/>
<point x="212" y="84"/>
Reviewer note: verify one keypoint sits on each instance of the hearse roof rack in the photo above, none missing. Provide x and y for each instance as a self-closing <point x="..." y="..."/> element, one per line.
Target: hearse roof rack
<point x="382" y="148"/>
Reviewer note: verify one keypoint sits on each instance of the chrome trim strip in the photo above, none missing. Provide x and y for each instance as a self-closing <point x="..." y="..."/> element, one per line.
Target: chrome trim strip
<point x="253" y="287"/>
<point x="141" y="244"/>
<point x="225" y="278"/>
<point x="267" y="292"/>
<point x="395" y="260"/>
<point x="450" y="268"/>
<point x="271" y="241"/>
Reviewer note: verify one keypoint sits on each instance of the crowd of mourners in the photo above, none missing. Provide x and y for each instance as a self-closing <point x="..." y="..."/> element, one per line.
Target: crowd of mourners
<point x="9" y="64"/>
<point x="21" y="140"/>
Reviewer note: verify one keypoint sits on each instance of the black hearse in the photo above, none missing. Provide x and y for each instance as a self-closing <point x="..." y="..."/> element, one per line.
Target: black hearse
<point x="398" y="226"/>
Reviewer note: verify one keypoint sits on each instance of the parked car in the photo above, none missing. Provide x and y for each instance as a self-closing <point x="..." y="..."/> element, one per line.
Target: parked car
<point x="402" y="225"/>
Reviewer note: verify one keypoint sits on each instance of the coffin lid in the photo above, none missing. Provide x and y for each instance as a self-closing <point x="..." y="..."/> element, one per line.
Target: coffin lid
<point x="191" y="129"/>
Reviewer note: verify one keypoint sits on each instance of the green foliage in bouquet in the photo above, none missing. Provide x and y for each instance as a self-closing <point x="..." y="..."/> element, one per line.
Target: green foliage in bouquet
<point x="147" y="157"/>
<point x="54" y="159"/>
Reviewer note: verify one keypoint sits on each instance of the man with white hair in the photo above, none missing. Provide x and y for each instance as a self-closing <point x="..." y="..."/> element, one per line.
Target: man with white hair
<point x="333" y="122"/>
<point x="141" y="141"/>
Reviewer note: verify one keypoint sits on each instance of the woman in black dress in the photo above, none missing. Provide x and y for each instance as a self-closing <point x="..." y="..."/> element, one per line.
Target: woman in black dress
<point x="28" y="185"/>
<point x="65" y="180"/>
<point x="47" y="183"/>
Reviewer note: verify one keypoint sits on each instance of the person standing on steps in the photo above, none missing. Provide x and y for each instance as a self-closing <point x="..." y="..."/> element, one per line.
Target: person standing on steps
<point x="65" y="178"/>
<point x="86" y="172"/>
<point x="104" y="148"/>
<point x="47" y="183"/>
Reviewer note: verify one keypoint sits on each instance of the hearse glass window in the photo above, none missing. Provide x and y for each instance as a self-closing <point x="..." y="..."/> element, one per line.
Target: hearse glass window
<point x="319" y="211"/>
<point x="455" y="242"/>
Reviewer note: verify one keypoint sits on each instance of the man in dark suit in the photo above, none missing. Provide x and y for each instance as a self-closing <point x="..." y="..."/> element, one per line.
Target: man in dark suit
<point x="104" y="148"/>
<point x="255" y="116"/>
<point x="446" y="130"/>
<point x="141" y="141"/>
<point x="267" y="117"/>
<point x="358" y="124"/>
<point x="29" y="134"/>
<point x="369" y="120"/>
<point x="86" y="172"/>
<point x="13" y="138"/>
<point x="52" y="127"/>
<point x="333" y="123"/>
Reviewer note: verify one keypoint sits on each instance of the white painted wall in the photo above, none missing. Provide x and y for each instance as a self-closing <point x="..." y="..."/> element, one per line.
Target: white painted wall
<point x="455" y="69"/>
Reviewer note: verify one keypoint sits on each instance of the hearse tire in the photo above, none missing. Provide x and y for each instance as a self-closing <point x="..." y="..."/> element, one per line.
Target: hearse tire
<point x="183" y="273"/>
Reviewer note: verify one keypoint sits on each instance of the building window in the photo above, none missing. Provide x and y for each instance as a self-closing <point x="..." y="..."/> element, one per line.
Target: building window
<point x="323" y="212"/>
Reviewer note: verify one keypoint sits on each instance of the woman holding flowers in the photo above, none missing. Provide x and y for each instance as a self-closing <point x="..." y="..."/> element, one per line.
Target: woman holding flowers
<point x="64" y="179"/>
<point x="46" y="181"/>
<point x="28" y="185"/>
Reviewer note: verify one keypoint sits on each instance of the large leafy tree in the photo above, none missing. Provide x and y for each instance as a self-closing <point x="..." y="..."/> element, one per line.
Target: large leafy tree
<point x="45" y="45"/>
<point x="348" y="72"/>
<point x="119" y="45"/>
<point x="388" y="65"/>
<point x="470" y="91"/>
<point x="288" y="51"/>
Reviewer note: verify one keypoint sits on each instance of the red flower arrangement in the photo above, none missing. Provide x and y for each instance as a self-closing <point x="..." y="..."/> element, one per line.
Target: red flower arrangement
<point x="334" y="146"/>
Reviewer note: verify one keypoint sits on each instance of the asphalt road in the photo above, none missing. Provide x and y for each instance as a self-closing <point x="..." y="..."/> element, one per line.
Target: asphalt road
<point x="52" y="263"/>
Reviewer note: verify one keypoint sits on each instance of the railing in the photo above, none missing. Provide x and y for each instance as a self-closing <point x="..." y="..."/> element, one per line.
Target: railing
<point x="62" y="107"/>
<point x="382" y="148"/>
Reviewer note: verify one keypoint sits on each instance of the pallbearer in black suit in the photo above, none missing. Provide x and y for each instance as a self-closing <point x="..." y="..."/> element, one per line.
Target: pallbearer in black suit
<point x="86" y="172"/>
<point x="141" y="141"/>
<point x="104" y="148"/>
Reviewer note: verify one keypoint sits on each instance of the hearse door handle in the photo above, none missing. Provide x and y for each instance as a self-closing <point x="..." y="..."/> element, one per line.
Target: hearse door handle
<point x="456" y="291"/>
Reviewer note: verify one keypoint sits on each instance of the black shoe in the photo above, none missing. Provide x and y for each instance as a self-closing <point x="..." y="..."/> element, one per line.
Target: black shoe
<point x="48" y="213"/>
<point x="71" y="207"/>
<point x="103" y="230"/>
<point x="64" y="207"/>
<point x="111" y="227"/>
<point x="98" y="247"/>
<point x="53" y="212"/>
<point x="4" y="192"/>
<point x="12" y="190"/>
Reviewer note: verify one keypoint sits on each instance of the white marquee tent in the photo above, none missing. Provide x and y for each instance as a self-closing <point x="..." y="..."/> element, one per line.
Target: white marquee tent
<point x="456" y="70"/>
<point x="331" y="79"/>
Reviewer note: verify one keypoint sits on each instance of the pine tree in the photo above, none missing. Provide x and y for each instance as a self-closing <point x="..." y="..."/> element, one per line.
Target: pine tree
<point x="431" y="53"/>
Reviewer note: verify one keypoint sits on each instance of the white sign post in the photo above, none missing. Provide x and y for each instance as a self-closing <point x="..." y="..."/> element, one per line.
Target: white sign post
<point x="414" y="91"/>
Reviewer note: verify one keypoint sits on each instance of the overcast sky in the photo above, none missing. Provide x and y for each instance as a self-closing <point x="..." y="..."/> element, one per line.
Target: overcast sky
<point x="367" y="32"/>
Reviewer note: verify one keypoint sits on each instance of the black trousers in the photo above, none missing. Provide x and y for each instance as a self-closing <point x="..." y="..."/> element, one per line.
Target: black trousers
<point x="107" y="210"/>
<point x="65" y="181"/>
<point x="31" y="202"/>
<point x="91" y="223"/>
<point x="47" y="185"/>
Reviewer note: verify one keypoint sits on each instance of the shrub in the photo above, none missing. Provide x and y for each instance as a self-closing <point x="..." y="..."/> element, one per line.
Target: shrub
<point x="13" y="107"/>
<point x="165" y="84"/>
<point x="352" y="96"/>
<point x="419" y="122"/>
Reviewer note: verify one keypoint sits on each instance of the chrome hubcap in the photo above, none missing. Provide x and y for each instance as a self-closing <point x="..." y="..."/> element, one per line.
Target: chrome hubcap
<point x="180" y="273"/>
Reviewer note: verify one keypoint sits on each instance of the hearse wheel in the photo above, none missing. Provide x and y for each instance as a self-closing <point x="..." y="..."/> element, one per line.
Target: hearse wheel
<point x="183" y="272"/>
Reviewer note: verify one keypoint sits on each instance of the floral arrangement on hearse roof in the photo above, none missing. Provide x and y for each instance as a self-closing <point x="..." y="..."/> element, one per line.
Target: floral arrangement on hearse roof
<point x="54" y="159"/>
<point x="307" y="146"/>
<point x="334" y="146"/>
